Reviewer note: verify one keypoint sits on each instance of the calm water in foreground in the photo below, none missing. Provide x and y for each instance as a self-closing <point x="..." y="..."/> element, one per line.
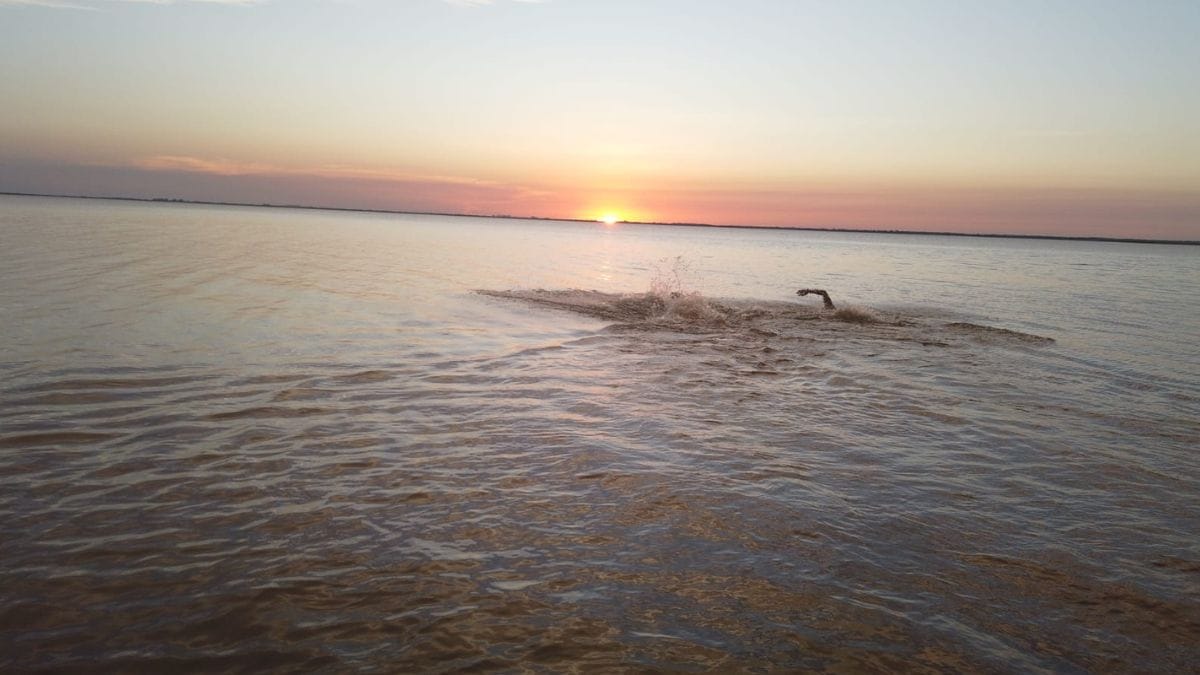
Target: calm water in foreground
<point x="252" y="439"/>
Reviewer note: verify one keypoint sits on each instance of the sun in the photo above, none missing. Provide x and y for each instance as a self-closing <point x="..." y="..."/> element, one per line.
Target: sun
<point x="609" y="219"/>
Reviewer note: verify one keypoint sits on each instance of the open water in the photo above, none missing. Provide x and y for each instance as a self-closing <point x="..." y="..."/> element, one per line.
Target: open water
<point x="240" y="439"/>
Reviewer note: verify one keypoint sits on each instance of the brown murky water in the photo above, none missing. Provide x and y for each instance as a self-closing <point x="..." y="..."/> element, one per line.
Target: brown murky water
<point x="261" y="439"/>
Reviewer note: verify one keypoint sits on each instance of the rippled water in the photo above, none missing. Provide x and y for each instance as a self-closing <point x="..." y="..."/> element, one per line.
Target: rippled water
<point x="246" y="439"/>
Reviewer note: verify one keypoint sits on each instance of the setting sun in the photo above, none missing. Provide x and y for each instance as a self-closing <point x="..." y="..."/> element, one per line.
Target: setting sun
<point x="609" y="218"/>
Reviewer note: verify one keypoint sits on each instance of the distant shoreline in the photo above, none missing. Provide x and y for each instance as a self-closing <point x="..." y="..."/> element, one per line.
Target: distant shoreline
<point x="985" y="235"/>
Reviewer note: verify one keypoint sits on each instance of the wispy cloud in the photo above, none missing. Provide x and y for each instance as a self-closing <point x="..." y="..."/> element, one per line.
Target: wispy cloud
<point x="97" y="4"/>
<point x="224" y="167"/>
<point x="481" y="3"/>
<point x="323" y="184"/>
<point x="1055" y="133"/>
<point x="229" y="167"/>
<point x="54" y="4"/>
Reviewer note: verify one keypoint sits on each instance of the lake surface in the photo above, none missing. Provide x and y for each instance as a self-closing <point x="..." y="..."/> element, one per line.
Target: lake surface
<point x="292" y="440"/>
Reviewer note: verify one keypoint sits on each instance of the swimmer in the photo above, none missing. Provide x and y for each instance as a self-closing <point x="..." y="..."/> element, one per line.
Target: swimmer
<point x="817" y="291"/>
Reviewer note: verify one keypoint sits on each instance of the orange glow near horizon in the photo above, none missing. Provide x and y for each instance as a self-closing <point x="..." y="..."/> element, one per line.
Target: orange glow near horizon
<point x="1011" y="208"/>
<point x="621" y="206"/>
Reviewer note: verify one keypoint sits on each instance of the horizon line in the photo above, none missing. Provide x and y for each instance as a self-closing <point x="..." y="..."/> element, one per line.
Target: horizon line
<point x="798" y="228"/>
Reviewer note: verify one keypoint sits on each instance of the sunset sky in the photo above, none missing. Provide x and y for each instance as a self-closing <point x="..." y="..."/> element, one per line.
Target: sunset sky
<point x="1046" y="117"/>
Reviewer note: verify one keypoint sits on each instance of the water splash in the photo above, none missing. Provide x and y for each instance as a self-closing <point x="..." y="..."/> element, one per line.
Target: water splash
<point x="668" y="276"/>
<point x="669" y="300"/>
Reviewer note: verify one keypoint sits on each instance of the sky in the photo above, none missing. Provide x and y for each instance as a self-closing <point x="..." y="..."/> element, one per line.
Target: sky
<point x="1077" y="118"/>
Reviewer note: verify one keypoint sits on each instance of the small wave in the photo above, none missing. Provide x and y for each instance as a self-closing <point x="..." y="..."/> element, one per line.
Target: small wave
<point x="857" y="315"/>
<point x="91" y="384"/>
<point x="267" y="412"/>
<point x="991" y="334"/>
<point x="52" y="438"/>
<point x="364" y="377"/>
